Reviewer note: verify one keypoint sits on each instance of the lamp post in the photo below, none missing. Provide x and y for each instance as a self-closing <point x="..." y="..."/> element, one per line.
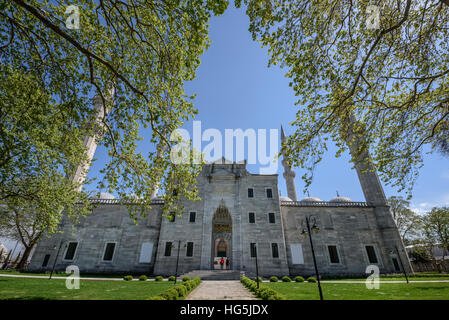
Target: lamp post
<point x="308" y="220"/>
<point x="177" y="260"/>
<point x="257" y="266"/>
<point x="56" y="259"/>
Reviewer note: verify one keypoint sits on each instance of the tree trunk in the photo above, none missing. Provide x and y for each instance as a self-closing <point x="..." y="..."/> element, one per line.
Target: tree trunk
<point x="23" y="261"/>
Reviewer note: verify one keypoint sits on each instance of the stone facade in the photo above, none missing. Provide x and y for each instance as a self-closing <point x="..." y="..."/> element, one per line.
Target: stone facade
<point x="237" y="210"/>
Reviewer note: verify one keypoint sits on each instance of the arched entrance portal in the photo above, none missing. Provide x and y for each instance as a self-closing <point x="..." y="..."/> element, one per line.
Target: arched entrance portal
<point x="221" y="237"/>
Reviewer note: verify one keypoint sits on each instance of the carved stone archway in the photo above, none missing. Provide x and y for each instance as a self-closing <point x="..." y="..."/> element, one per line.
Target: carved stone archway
<point x="221" y="234"/>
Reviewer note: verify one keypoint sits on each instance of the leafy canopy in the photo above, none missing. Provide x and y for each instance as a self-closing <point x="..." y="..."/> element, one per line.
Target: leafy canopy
<point x="145" y="49"/>
<point x="393" y="78"/>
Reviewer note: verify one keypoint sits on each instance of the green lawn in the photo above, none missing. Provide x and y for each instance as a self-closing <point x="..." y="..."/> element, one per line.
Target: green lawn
<point x="344" y="291"/>
<point x="58" y="274"/>
<point x="418" y="278"/>
<point x="55" y="289"/>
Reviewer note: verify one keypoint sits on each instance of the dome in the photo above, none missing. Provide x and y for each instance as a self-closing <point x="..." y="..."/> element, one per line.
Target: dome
<point x="341" y="199"/>
<point x="104" y="196"/>
<point x="311" y="199"/>
<point x="283" y="198"/>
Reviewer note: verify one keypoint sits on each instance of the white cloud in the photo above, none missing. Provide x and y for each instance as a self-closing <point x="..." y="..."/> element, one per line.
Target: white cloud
<point x="424" y="207"/>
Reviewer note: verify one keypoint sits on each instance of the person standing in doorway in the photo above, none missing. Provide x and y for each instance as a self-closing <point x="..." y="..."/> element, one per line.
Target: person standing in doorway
<point x="227" y="263"/>
<point x="221" y="262"/>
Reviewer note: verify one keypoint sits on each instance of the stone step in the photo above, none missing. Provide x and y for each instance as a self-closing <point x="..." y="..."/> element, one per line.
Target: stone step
<point x="214" y="274"/>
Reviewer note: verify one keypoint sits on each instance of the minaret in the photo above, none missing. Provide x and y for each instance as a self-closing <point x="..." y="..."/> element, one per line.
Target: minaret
<point x="369" y="180"/>
<point x="90" y="140"/>
<point x="289" y="174"/>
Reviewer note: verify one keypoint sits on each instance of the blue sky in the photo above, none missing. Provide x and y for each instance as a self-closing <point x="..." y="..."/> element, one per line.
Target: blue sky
<point x="235" y="89"/>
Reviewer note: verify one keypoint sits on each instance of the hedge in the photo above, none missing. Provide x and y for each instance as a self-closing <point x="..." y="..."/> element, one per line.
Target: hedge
<point x="274" y="279"/>
<point x="286" y="279"/>
<point x="263" y="292"/>
<point x="171" y="278"/>
<point x="159" y="278"/>
<point x="127" y="278"/>
<point x="143" y="278"/>
<point x="299" y="279"/>
<point x="311" y="279"/>
<point x="178" y="292"/>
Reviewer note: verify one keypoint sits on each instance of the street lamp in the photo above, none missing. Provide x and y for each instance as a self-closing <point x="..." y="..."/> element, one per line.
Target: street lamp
<point x="311" y="220"/>
<point x="257" y="266"/>
<point x="177" y="259"/>
<point x="56" y="259"/>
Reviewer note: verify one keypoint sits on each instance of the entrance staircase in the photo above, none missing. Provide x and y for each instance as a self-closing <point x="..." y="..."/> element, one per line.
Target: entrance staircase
<point x="214" y="274"/>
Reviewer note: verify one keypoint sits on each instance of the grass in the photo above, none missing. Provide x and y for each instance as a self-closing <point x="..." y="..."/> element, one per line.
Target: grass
<point x="344" y="291"/>
<point x="58" y="274"/>
<point x="396" y="278"/>
<point x="55" y="289"/>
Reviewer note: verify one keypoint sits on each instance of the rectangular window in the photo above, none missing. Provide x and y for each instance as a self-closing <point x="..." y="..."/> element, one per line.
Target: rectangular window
<point x="109" y="251"/>
<point x="146" y="252"/>
<point x="333" y="254"/>
<point x="371" y="254"/>
<point x="46" y="258"/>
<point x="253" y="250"/>
<point x="189" y="252"/>
<point x="297" y="254"/>
<point x="250" y="193"/>
<point x="192" y="217"/>
<point x="269" y="193"/>
<point x="168" y="246"/>
<point x="274" y="250"/>
<point x="271" y="218"/>
<point x="251" y="217"/>
<point x="71" y="249"/>
<point x="396" y="264"/>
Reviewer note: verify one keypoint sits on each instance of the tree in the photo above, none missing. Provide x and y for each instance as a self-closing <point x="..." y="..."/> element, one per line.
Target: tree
<point x="384" y="62"/>
<point x="50" y="70"/>
<point x="408" y="222"/>
<point x="146" y="49"/>
<point x="436" y="227"/>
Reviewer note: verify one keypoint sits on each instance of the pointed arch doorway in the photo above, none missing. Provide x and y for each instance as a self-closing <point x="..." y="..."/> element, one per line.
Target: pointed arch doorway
<point x="221" y="237"/>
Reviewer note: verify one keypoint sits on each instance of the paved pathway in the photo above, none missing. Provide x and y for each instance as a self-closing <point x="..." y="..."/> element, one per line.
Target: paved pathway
<point x="221" y="290"/>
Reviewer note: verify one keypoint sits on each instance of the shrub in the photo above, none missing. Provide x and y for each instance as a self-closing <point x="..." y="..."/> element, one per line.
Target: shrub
<point x="182" y="290"/>
<point x="171" y="278"/>
<point x="260" y="279"/>
<point x="299" y="279"/>
<point x="186" y="278"/>
<point x="127" y="278"/>
<point x="170" y="294"/>
<point x="179" y="291"/>
<point x="143" y="278"/>
<point x="311" y="279"/>
<point x="274" y="279"/>
<point x="263" y="292"/>
<point x="159" y="278"/>
<point x="286" y="279"/>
